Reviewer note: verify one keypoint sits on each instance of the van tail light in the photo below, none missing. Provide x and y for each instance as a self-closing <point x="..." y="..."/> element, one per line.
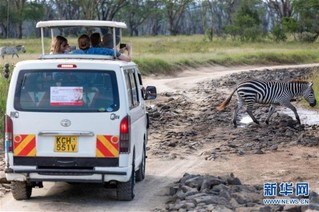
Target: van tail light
<point x="8" y="134"/>
<point x="125" y="135"/>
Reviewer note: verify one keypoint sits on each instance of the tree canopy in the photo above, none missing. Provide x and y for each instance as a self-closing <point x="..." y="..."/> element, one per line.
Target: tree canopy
<point x="247" y="20"/>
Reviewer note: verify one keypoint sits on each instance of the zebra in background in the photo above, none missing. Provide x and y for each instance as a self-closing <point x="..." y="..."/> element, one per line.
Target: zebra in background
<point x="272" y="92"/>
<point x="12" y="50"/>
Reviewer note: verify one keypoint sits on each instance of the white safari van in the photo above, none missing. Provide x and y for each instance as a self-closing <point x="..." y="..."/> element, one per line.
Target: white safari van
<point x="76" y="118"/>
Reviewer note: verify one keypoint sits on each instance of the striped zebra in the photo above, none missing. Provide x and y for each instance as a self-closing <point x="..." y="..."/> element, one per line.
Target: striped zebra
<point x="272" y="92"/>
<point x="11" y="50"/>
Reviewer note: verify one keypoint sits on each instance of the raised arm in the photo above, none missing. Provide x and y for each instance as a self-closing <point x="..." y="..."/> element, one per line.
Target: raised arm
<point x="128" y="57"/>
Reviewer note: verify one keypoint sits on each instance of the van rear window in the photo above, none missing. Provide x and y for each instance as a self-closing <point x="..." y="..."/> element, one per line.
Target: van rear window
<point x="67" y="91"/>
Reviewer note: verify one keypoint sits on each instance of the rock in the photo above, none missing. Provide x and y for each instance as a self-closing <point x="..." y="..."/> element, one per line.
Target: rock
<point x="3" y="178"/>
<point x="224" y="195"/>
<point x="257" y="208"/>
<point x="292" y="208"/>
<point x="211" y="199"/>
<point x="232" y="180"/>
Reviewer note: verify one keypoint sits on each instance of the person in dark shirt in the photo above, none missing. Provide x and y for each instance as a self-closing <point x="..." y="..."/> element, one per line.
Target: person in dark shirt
<point x="107" y="42"/>
<point x="96" y="39"/>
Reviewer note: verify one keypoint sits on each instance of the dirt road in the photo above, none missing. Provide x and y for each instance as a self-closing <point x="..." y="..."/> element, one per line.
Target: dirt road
<point x="289" y="164"/>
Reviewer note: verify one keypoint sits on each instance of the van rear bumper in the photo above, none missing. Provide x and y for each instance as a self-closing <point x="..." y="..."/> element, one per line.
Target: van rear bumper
<point x="98" y="174"/>
<point x="53" y="162"/>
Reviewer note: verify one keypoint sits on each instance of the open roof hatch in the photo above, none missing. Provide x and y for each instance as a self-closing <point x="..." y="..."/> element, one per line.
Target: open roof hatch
<point x="80" y="23"/>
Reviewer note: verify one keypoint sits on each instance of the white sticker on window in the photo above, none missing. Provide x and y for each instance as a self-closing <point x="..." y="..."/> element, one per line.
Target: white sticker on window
<point x="70" y="96"/>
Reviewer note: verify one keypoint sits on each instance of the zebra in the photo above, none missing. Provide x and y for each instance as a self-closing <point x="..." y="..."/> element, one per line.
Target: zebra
<point x="12" y="50"/>
<point x="269" y="92"/>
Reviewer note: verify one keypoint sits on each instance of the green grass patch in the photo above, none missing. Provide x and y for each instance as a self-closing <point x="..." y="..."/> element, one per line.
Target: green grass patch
<point x="168" y="54"/>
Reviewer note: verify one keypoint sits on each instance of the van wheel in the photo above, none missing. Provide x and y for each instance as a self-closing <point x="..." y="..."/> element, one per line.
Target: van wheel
<point x="140" y="173"/>
<point x="21" y="190"/>
<point x="125" y="190"/>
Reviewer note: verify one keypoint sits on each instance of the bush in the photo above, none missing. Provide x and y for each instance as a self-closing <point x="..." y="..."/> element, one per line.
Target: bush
<point x="307" y="37"/>
<point x="278" y="33"/>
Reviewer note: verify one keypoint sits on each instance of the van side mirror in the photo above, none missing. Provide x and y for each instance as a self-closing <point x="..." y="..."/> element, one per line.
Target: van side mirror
<point x="150" y="93"/>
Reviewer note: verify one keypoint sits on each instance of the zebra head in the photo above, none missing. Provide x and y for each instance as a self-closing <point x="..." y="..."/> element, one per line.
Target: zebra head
<point x="309" y="95"/>
<point x="21" y="48"/>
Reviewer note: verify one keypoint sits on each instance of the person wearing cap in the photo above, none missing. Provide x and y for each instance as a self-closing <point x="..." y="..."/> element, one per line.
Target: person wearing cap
<point x="84" y="48"/>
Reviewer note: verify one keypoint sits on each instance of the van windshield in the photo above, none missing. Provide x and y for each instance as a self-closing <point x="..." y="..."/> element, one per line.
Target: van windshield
<point x="67" y="91"/>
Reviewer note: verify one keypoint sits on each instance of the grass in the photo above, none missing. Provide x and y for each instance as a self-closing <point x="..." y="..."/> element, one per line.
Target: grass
<point x="170" y="54"/>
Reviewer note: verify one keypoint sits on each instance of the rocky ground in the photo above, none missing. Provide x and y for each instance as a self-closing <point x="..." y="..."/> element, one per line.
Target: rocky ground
<point x="182" y="122"/>
<point x="186" y="123"/>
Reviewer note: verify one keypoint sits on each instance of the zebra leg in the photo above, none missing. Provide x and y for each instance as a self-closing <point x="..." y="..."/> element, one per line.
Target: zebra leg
<point x="236" y="110"/>
<point x="250" y="113"/>
<point x="291" y="107"/>
<point x="235" y="115"/>
<point x="271" y="111"/>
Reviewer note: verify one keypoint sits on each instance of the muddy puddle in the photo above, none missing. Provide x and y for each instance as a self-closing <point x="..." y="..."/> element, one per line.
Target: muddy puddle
<point x="309" y="117"/>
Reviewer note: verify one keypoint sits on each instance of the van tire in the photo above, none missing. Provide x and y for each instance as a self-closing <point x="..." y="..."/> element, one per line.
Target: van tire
<point x="21" y="190"/>
<point x="140" y="173"/>
<point x="125" y="190"/>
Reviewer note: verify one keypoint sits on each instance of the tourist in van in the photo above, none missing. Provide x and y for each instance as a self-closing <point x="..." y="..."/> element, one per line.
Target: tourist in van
<point x="84" y="48"/>
<point x="59" y="45"/>
<point x="96" y="39"/>
<point x="84" y="42"/>
<point x="107" y="42"/>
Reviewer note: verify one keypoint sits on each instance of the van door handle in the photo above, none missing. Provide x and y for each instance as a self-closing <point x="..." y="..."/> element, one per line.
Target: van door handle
<point x="64" y="133"/>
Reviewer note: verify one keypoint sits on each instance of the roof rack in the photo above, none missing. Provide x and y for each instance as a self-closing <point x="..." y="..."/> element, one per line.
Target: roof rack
<point x="78" y="23"/>
<point x="86" y="23"/>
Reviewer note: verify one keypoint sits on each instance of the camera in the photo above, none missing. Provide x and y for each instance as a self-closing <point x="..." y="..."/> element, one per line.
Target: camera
<point x="122" y="45"/>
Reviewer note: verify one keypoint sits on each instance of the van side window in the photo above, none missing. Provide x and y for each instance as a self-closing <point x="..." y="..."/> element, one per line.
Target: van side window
<point x="132" y="88"/>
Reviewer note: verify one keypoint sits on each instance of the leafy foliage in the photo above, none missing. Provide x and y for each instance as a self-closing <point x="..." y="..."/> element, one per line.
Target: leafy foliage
<point x="278" y="33"/>
<point x="247" y="22"/>
<point x="308" y="19"/>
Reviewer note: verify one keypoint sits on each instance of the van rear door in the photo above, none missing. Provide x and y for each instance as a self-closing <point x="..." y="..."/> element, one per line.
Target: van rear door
<point x="65" y="118"/>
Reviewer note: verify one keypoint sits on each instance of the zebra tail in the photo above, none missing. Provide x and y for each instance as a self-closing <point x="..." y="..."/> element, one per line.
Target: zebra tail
<point x="222" y="106"/>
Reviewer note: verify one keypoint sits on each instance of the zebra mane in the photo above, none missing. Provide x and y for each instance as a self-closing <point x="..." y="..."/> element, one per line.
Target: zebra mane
<point x="19" y="47"/>
<point x="299" y="81"/>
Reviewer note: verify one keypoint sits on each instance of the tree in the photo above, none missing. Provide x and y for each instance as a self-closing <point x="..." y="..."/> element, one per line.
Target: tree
<point x="308" y="15"/>
<point x="18" y="8"/>
<point x="88" y="9"/>
<point x="281" y="12"/>
<point x="174" y="10"/>
<point x="107" y="9"/>
<point x="4" y="15"/>
<point x="282" y="8"/>
<point x="67" y="9"/>
<point x="217" y="14"/>
<point x="136" y="12"/>
<point x="247" y="24"/>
